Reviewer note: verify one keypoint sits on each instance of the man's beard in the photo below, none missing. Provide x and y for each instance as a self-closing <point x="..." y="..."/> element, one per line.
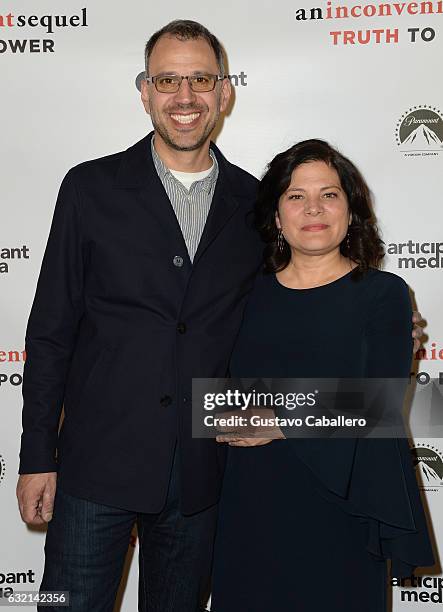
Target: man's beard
<point x="162" y="131"/>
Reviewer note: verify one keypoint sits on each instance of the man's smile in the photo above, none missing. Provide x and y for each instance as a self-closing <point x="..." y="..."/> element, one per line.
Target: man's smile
<point x="185" y="119"/>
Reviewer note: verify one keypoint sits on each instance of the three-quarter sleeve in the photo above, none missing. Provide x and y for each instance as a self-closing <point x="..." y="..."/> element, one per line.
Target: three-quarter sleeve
<point x="383" y="486"/>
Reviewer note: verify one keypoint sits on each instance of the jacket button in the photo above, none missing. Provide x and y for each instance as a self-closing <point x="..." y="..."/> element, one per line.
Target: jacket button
<point x="166" y="400"/>
<point x="181" y="328"/>
<point x="178" y="261"/>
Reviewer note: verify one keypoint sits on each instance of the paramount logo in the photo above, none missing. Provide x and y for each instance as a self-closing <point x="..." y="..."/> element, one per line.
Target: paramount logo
<point x="419" y="131"/>
<point x="428" y="464"/>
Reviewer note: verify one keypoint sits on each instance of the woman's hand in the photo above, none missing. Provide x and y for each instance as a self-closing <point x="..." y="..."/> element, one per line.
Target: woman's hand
<point x="237" y="441"/>
<point x="252" y="435"/>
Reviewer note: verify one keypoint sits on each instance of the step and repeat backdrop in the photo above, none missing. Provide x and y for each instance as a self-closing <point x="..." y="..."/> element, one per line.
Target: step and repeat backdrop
<point x="366" y="76"/>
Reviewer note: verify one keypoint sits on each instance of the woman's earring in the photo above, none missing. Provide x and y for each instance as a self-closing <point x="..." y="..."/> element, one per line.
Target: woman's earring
<point x="348" y="235"/>
<point x="280" y="241"/>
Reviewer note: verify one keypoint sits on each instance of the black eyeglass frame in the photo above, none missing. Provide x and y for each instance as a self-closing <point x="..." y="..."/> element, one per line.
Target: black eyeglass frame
<point x="216" y="77"/>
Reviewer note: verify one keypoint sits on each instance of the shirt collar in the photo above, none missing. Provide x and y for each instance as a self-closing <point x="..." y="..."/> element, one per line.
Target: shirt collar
<point x="163" y="171"/>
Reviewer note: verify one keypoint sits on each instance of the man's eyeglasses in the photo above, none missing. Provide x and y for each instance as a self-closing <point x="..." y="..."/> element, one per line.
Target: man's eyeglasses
<point x="170" y="83"/>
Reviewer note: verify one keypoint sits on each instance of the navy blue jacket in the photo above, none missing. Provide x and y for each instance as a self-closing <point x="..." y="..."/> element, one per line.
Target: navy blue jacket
<point x="121" y="323"/>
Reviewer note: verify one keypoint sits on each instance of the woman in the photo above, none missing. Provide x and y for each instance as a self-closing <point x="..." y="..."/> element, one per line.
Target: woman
<point x="308" y="525"/>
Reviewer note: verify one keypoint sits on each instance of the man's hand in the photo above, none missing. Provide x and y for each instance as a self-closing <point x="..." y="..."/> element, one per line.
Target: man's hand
<point x="417" y="332"/>
<point x="35" y="494"/>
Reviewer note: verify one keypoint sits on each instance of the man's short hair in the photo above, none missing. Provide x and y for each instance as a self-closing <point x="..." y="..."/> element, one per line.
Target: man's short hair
<point x="185" y="29"/>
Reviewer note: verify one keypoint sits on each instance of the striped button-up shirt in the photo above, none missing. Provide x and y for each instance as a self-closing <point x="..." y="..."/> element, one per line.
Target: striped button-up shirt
<point x="191" y="207"/>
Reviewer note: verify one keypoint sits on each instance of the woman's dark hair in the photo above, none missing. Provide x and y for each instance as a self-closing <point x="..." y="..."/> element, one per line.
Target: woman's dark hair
<point x="363" y="243"/>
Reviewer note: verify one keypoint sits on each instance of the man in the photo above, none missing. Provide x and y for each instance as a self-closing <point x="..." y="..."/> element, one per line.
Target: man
<point x="143" y="283"/>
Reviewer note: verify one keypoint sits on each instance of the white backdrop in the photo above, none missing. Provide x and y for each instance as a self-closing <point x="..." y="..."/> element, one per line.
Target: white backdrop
<point x="73" y="98"/>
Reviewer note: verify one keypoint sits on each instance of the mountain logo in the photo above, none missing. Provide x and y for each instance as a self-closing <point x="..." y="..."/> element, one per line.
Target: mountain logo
<point x="2" y="469"/>
<point x="428" y="462"/>
<point x="420" y="129"/>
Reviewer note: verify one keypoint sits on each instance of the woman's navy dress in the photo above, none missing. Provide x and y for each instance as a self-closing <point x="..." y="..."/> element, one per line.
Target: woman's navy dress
<point x="306" y="525"/>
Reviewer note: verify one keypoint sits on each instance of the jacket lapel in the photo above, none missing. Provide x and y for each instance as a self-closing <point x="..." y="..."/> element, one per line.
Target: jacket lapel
<point x="223" y="206"/>
<point x="137" y="171"/>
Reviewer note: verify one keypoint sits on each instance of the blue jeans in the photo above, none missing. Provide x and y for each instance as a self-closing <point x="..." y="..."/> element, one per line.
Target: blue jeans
<point x="86" y="546"/>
